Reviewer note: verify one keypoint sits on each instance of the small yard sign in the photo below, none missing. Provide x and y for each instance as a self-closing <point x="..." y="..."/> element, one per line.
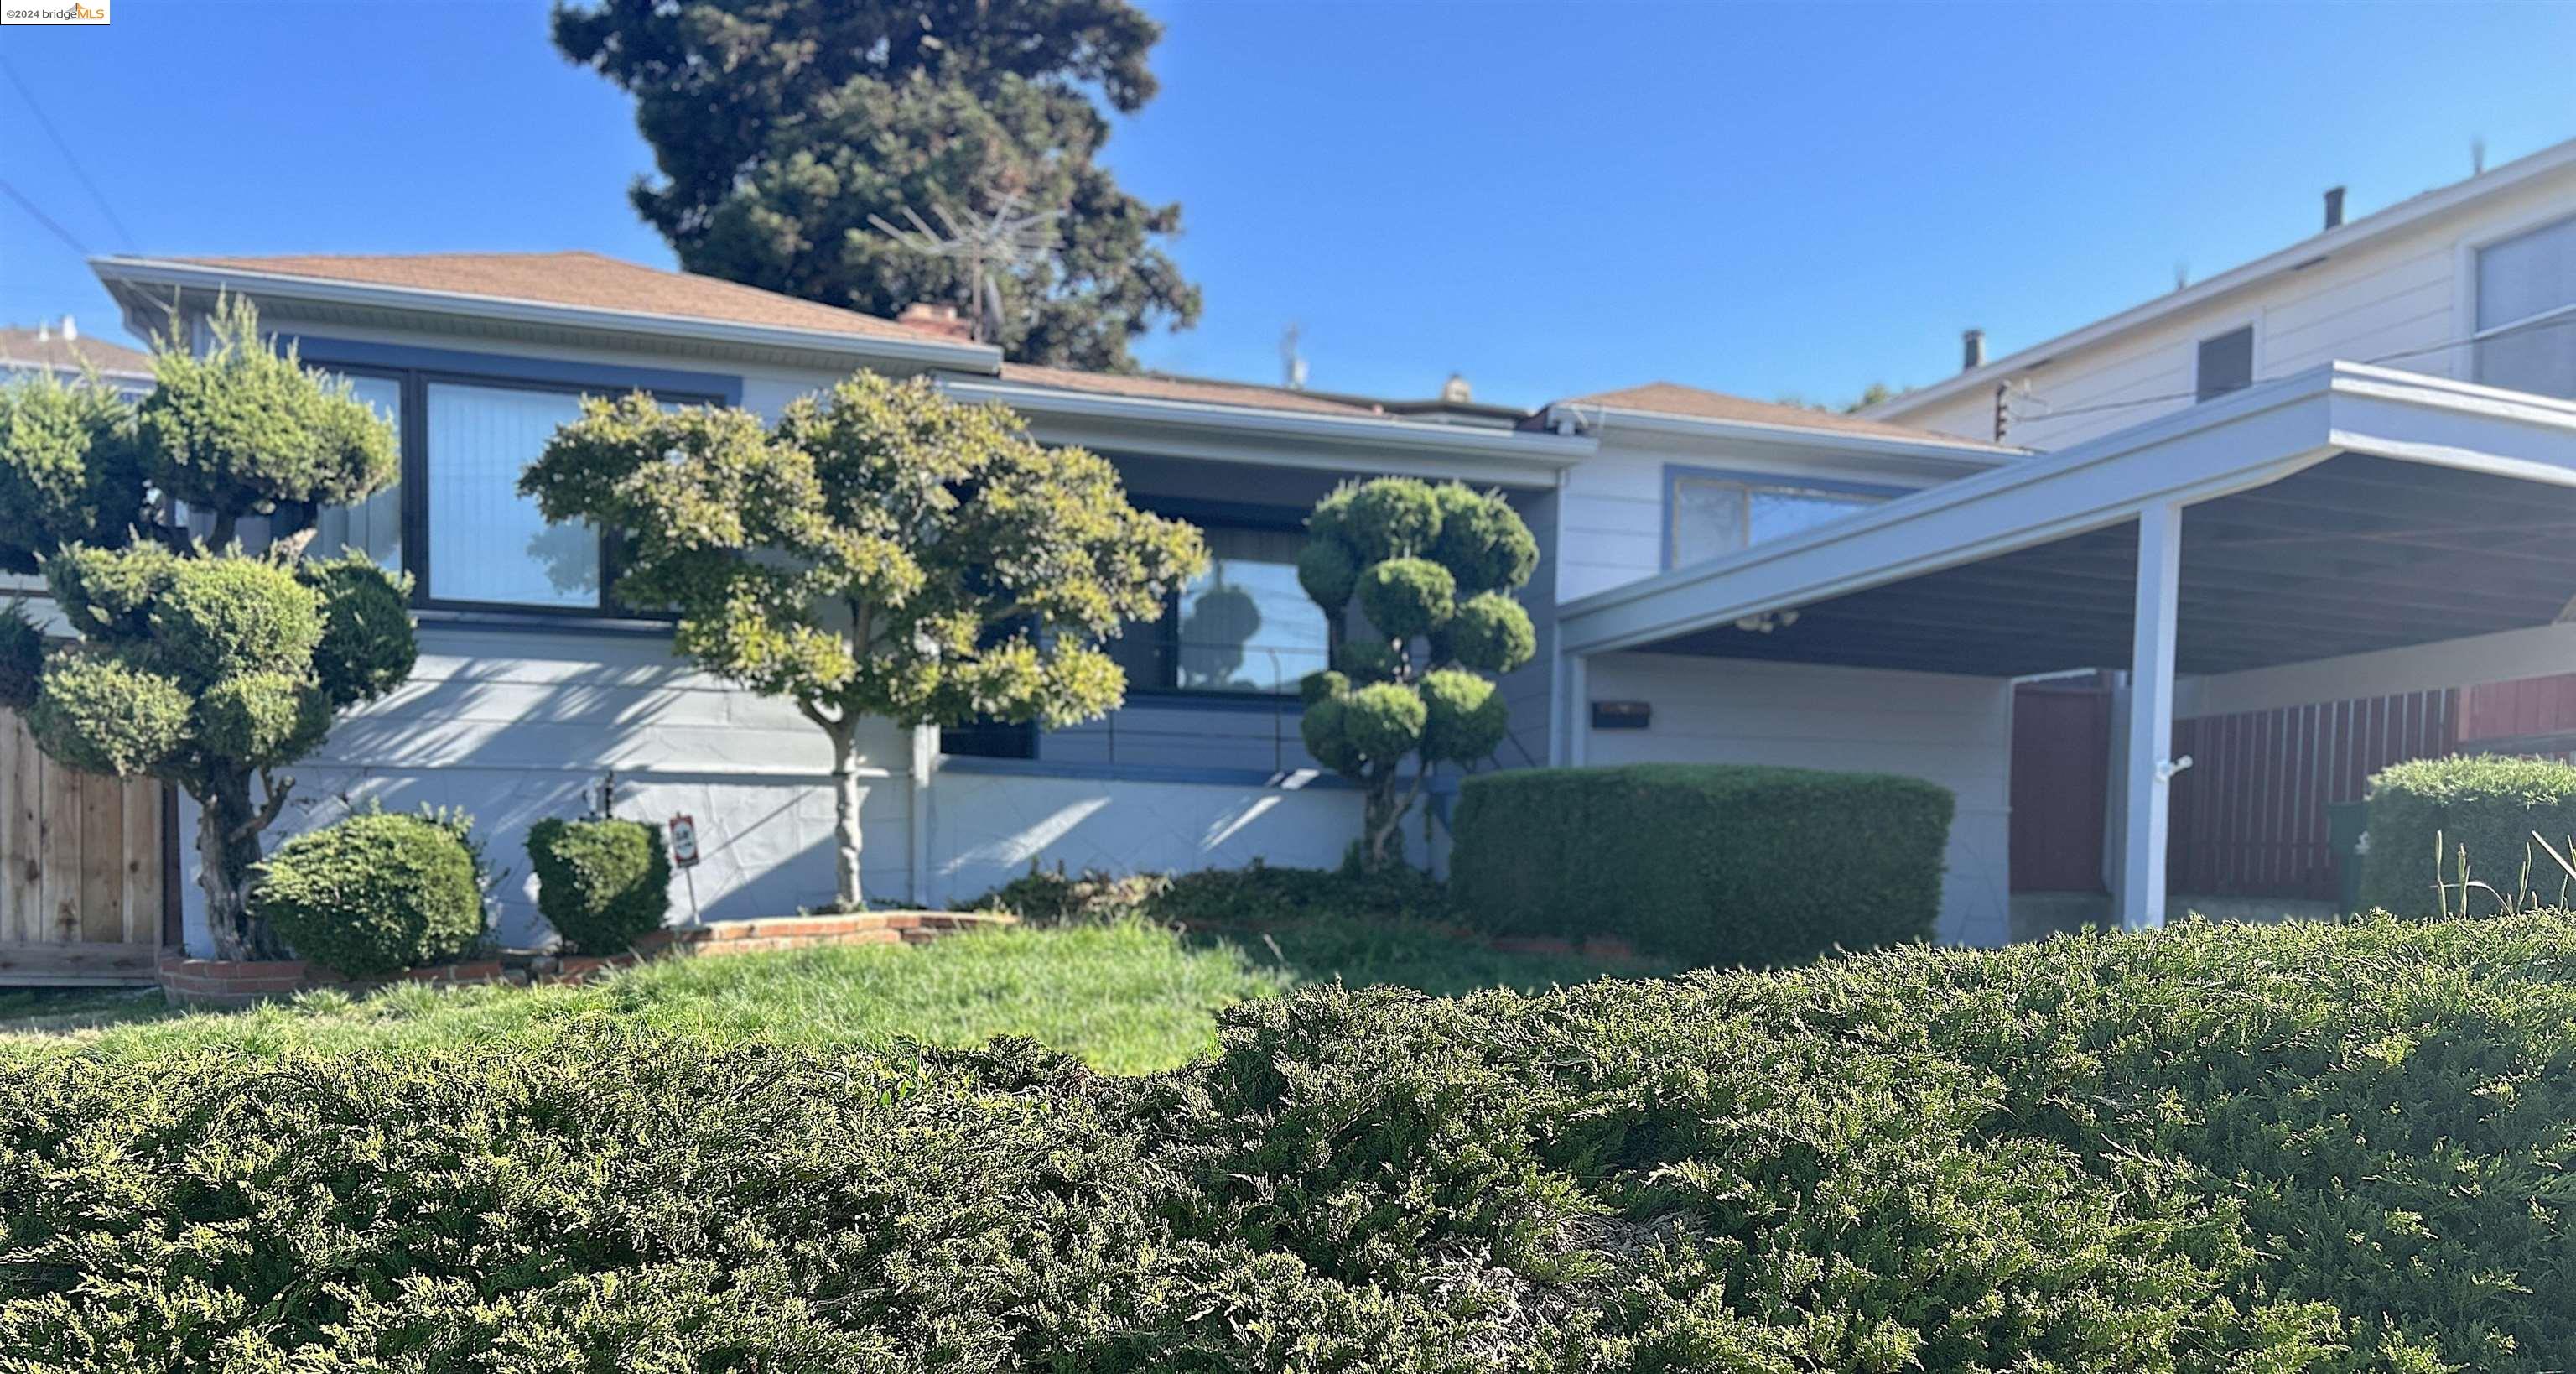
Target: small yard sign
<point x="684" y="840"/>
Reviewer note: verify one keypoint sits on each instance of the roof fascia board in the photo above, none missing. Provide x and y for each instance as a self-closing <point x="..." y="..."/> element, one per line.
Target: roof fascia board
<point x="2185" y="458"/>
<point x="2405" y="215"/>
<point x="1929" y="455"/>
<point x="2436" y="420"/>
<point x="145" y="273"/>
<point x="1246" y="434"/>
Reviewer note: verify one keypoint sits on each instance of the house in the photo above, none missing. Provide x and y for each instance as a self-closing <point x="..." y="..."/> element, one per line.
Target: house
<point x="533" y="688"/>
<point x="55" y="348"/>
<point x="1721" y="579"/>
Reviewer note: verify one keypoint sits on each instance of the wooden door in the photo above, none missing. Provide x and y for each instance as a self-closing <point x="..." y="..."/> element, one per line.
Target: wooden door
<point x="84" y="870"/>
<point x="2061" y="773"/>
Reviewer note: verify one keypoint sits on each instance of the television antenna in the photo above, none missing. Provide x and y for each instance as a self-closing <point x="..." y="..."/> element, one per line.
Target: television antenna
<point x="988" y="245"/>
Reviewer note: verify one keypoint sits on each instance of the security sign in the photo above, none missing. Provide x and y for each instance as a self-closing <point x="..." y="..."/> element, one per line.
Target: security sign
<point x="684" y="840"/>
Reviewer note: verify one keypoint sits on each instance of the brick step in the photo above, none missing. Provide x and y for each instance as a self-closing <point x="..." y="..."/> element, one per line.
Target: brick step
<point x="187" y="982"/>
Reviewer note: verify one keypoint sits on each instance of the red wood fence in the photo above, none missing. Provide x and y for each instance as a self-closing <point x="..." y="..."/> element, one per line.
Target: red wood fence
<point x="2249" y="815"/>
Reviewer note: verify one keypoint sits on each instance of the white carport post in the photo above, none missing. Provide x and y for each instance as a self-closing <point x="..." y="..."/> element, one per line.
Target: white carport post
<point x="2147" y="774"/>
<point x="1573" y="711"/>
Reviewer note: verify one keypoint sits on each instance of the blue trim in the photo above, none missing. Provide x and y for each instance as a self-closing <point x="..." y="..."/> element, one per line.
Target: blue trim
<point x="1139" y="772"/>
<point x="329" y="352"/>
<point x="1752" y="477"/>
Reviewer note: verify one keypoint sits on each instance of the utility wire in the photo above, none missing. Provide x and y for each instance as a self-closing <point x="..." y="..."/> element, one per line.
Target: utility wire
<point x="44" y="219"/>
<point x="2563" y="318"/>
<point x="64" y="146"/>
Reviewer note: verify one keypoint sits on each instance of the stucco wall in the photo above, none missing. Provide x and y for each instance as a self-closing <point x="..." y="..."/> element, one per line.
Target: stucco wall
<point x="1954" y="731"/>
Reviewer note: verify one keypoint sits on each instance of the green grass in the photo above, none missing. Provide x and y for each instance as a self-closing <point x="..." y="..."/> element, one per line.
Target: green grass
<point x="1126" y="998"/>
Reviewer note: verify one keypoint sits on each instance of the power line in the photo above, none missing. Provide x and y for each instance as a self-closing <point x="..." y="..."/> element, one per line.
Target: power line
<point x="44" y="219"/>
<point x="64" y="146"/>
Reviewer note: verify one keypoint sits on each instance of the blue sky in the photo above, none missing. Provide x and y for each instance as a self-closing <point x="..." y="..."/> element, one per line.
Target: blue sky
<point x="1551" y="199"/>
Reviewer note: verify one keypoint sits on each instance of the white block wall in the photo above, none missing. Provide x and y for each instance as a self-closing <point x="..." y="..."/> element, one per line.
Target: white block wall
<point x="1953" y="731"/>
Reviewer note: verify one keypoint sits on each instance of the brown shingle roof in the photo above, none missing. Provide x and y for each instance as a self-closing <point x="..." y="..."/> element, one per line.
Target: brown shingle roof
<point x="583" y="280"/>
<point x="1157" y="386"/>
<point x="1672" y="398"/>
<point x="25" y="348"/>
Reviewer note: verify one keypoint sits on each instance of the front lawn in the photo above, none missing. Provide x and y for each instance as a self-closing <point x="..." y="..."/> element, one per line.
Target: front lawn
<point x="1127" y="997"/>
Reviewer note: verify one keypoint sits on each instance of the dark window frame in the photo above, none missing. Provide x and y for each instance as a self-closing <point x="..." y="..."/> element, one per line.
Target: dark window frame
<point x="413" y="519"/>
<point x="1166" y="628"/>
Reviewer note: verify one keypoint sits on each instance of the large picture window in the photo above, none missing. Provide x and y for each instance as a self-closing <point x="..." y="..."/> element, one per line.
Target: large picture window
<point x="487" y="543"/>
<point x="2526" y="311"/>
<point x="1243" y="626"/>
<point x="1710" y="515"/>
<point x="455" y="520"/>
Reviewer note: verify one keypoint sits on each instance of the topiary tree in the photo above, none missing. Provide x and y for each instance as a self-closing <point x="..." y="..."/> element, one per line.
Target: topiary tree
<point x="881" y="551"/>
<point x="375" y="893"/>
<point x="196" y="662"/>
<point x="601" y="883"/>
<point x="1433" y="569"/>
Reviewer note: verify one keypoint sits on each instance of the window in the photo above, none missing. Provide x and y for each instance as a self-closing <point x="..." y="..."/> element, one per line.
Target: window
<point x="486" y="541"/>
<point x="2226" y="364"/>
<point x="2526" y="311"/>
<point x="1713" y="514"/>
<point x="455" y="520"/>
<point x="373" y="526"/>
<point x="1242" y="626"/>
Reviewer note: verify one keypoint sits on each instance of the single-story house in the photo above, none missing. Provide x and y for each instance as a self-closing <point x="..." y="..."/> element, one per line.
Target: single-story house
<point x="1722" y="579"/>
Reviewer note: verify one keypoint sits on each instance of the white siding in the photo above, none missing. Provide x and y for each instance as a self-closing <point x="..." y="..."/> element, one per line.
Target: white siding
<point x="2406" y="295"/>
<point x="1953" y="731"/>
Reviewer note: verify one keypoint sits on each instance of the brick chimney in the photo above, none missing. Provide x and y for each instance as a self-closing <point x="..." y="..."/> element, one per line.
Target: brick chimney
<point x="942" y="320"/>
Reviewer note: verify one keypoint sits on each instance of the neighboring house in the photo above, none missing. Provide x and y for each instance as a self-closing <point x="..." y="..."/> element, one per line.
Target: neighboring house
<point x="56" y="348"/>
<point x="2474" y="281"/>
<point x="532" y="687"/>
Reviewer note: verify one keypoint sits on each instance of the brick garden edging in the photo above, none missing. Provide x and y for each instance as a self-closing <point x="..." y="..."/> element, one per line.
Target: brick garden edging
<point x="187" y="982"/>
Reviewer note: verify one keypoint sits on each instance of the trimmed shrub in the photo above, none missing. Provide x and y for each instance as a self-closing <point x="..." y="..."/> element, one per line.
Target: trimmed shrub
<point x="600" y="884"/>
<point x="2306" y="1147"/>
<point x="1719" y="865"/>
<point x="2485" y="804"/>
<point x="373" y="894"/>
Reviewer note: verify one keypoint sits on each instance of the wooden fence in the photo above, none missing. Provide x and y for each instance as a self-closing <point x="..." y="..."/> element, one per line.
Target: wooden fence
<point x="2249" y="815"/>
<point x="85" y="870"/>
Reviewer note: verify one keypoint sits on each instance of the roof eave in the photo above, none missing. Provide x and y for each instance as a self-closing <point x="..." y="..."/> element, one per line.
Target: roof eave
<point x="131" y="279"/>
<point x="1354" y="443"/>
<point x="1957" y="456"/>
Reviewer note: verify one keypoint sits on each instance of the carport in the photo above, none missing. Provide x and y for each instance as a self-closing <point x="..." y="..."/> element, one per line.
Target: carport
<point x="2346" y="531"/>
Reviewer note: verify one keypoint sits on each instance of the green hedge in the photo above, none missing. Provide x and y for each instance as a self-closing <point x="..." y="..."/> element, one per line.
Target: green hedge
<point x="374" y="894"/>
<point x="1716" y="864"/>
<point x="600" y="883"/>
<point x="2490" y="806"/>
<point x="2303" y="1147"/>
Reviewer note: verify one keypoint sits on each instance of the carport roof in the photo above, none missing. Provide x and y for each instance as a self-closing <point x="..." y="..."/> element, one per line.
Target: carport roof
<point x="2342" y="510"/>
